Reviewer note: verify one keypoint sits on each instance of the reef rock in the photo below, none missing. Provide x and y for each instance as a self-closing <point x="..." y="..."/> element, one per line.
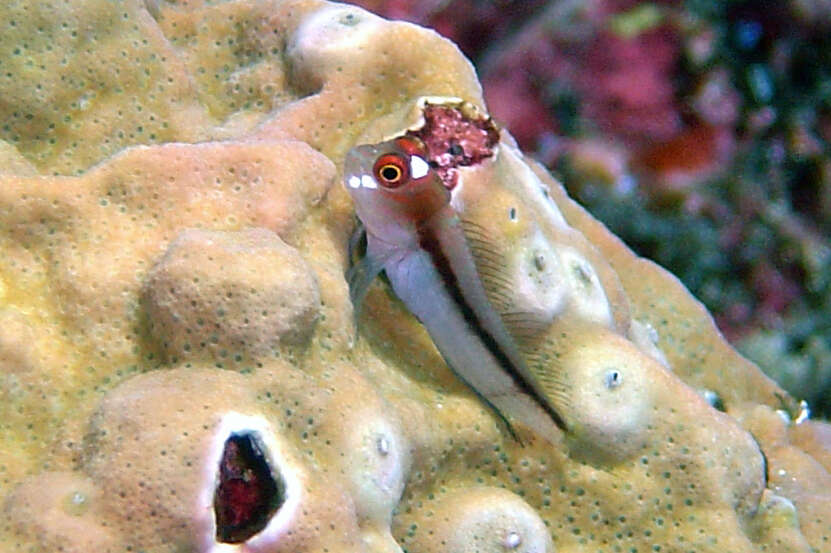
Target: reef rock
<point x="180" y="364"/>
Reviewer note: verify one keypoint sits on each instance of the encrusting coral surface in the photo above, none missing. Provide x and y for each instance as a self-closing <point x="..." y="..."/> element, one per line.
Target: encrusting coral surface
<point x="180" y="366"/>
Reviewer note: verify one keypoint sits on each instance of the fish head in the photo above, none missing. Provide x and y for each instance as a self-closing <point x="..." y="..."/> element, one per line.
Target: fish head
<point x="394" y="187"/>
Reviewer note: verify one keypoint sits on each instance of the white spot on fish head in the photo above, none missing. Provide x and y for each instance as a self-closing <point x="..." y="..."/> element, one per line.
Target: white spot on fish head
<point x="368" y="182"/>
<point x="418" y="167"/>
<point x="354" y="181"/>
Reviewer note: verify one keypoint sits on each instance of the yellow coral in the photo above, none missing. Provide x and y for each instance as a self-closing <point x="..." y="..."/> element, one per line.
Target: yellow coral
<point x="144" y="326"/>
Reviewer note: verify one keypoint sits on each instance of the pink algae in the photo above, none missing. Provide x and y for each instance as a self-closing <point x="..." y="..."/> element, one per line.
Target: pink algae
<point x="453" y="139"/>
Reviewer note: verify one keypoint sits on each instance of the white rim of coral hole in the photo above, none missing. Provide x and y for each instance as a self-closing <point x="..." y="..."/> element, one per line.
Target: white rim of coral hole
<point x="236" y="423"/>
<point x="416" y="112"/>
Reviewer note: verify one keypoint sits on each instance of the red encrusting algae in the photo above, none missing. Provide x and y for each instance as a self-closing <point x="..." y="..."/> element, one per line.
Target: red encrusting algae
<point x="454" y="139"/>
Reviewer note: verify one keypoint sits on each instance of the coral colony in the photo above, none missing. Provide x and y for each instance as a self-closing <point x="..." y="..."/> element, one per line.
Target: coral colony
<point x="181" y="368"/>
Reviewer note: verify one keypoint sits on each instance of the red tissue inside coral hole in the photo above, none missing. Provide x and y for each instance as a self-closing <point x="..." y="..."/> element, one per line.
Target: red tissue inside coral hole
<point x="455" y="140"/>
<point x="247" y="495"/>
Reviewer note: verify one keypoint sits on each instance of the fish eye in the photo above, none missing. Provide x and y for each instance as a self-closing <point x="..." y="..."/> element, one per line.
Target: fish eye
<point x="390" y="171"/>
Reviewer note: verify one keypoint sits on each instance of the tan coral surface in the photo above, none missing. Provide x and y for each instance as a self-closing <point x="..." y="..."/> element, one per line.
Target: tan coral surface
<point x="173" y="242"/>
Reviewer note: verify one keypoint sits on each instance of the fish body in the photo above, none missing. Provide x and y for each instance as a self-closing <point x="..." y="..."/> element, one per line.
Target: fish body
<point x="416" y="237"/>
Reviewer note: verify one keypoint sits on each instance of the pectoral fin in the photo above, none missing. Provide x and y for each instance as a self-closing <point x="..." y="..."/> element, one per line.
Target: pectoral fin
<point x="362" y="271"/>
<point x="357" y="243"/>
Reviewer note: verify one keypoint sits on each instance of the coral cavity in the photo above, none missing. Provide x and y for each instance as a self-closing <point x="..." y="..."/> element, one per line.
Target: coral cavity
<point x="246" y="495"/>
<point x="455" y="138"/>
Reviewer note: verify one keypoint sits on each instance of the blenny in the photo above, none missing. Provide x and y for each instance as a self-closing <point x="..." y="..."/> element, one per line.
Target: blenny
<point x="427" y="251"/>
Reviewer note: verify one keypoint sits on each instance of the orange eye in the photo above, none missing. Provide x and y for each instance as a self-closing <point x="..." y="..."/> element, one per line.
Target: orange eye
<point x="390" y="171"/>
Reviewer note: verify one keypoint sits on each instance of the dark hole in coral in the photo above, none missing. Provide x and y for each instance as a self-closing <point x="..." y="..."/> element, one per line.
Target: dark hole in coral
<point x="247" y="495"/>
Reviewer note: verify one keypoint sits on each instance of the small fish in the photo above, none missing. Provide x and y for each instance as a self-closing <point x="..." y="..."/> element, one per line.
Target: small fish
<point x="418" y="240"/>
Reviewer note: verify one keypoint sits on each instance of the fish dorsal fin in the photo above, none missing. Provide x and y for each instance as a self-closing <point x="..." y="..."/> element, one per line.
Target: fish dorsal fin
<point x="524" y="326"/>
<point x="528" y="329"/>
<point x="492" y="265"/>
<point x="486" y="289"/>
<point x="542" y="358"/>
